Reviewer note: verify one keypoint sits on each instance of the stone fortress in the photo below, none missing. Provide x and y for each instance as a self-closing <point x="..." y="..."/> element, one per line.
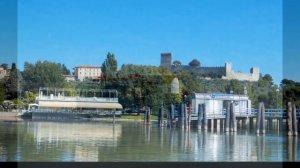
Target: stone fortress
<point x="225" y="72"/>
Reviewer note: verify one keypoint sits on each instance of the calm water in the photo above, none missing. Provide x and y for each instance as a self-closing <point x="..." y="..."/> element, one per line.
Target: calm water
<point x="124" y="141"/>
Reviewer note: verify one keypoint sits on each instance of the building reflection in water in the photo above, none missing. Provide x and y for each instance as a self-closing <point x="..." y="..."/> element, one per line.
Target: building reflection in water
<point x="82" y="138"/>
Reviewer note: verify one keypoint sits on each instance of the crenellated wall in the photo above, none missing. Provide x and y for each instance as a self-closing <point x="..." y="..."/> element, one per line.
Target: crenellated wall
<point x="225" y="72"/>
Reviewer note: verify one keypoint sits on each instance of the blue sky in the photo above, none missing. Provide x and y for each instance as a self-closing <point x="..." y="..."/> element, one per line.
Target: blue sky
<point x="8" y="35"/>
<point x="81" y="32"/>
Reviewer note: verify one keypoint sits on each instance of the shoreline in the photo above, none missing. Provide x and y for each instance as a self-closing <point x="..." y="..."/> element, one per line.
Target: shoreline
<point x="9" y="116"/>
<point x="13" y="116"/>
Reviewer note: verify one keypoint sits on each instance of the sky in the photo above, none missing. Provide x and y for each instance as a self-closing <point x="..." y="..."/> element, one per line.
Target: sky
<point x="81" y="32"/>
<point x="8" y="29"/>
<point x="291" y="40"/>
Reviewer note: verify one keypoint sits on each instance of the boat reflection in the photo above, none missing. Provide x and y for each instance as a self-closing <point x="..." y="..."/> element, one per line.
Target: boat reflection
<point x="86" y="138"/>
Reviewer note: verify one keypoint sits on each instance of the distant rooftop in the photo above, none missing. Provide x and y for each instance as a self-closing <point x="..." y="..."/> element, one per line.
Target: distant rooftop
<point x="87" y="66"/>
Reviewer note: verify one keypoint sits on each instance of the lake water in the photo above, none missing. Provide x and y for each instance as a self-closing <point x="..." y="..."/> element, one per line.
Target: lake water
<point x="129" y="141"/>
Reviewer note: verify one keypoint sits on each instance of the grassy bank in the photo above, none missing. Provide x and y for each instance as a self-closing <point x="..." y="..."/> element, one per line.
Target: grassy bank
<point x="137" y="117"/>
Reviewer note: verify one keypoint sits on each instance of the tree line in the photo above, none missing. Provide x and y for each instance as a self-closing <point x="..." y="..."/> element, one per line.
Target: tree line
<point x="140" y="85"/>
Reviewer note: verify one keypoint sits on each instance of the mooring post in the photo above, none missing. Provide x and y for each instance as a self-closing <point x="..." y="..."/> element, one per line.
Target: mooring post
<point x="221" y="124"/>
<point x="114" y="116"/>
<point x="244" y="123"/>
<point x="258" y="118"/>
<point x="289" y="118"/>
<point x="160" y="117"/>
<point x="189" y="115"/>
<point x="270" y="125"/>
<point x="200" y="116"/>
<point x="145" y="116"/>
<point x="280" y="122"/>
<point x="251" y="122"/>
<point x="295" y="129"/>
<point x="298" y="123"/>
<point x="148" y="115"/>
<point x="227" y="119"/>
<point x="263" y="125"/>
<point x="232" y="113"/>
<point x="181" y="120"/>
<point x="204" y="117"/>
<point x="186" y="116"/>
<point x="216" y="124"/>
<point x="172" y="113"/>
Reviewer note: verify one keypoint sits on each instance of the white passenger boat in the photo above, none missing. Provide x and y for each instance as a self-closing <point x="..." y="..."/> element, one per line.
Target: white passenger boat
<point x="67" y="103"/>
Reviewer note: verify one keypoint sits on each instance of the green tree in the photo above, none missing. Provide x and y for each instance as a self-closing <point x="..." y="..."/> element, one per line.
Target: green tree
<point x="42" y="74"/>
<point x="290" y="91"/>
<point x="65" y="70"/>
<point x="235" y="86"/>
<point x="176" y="63"/>
<point x="12" y="83"/>
<point x="2" y="92"/>
<point x="194" y="63"/>
<point x="268" y="77"/>
<point x="109" y="66"/>
<point x="29" y="97"/>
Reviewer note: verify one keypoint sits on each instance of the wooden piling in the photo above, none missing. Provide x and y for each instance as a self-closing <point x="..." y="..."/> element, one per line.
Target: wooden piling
<point x="215" y="124"/>
<point x="280" y="123"/>
<point x="161" y="118"/>
<point x="295" y="127"/>
<point x="258" y="118"/>
<point x="148" y="115"/>
<point x="227" y="119"/>
<point x="145" y="116"/>
<point x="251" y="123"/>
<point x="181" y="120"/>
<point x="204" y="117"/>
<point x="233" y="118"/>
<point x="263" y="125"/>
<point x="172" y="115"/>
<point x="289" y="119"/>
<point x="270" y="123"/>
<point x="211" y="124"/>
<point x="114" y="116"/>
<point x="221" y="124"/>
<point x="298" y="124"/>
<point x="200" y="116"/>
<point x="186" y="122"/>
<point x="244" y="123"/>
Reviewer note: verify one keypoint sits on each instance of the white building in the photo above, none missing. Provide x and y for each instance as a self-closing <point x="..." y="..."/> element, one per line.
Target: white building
<point x="215" y="104"/>
<point x="87" y="72"/>
<point x="69" y="77"/>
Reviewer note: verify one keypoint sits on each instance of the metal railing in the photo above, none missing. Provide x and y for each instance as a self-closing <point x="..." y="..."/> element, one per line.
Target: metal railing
<point x="269" y="113"/>
<point x="85" y="99"/>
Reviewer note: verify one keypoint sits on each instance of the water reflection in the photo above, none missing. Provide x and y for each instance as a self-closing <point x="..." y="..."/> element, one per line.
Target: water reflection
<point x="292" y="146"/>
<point x="57" y="141"/>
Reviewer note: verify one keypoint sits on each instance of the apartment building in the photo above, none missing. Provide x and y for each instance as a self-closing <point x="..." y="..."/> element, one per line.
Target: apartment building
<point x="87" y="72"/>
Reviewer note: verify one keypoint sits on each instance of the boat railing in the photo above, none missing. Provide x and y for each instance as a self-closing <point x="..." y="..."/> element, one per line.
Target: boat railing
<point x="89" y="99"/>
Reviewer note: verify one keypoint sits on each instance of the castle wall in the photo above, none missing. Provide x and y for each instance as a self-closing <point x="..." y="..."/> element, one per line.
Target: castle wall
<point x="225" y="72"/>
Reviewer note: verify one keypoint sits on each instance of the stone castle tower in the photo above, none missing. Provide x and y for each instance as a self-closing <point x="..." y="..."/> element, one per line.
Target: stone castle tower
<point x="166" y="60"/>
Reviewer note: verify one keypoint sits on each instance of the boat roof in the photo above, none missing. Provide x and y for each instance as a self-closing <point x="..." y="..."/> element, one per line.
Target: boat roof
<point x="97" y="105"/>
